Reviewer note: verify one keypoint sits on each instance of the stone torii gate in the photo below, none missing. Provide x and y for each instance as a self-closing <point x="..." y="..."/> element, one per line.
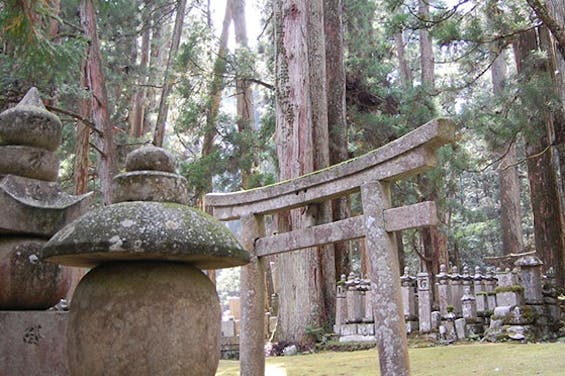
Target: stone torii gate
<point x="370" y="174"/>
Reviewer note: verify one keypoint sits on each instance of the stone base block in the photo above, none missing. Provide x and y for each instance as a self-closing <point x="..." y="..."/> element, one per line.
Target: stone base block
<point x="474" y="330"/>
<point x="508" y="298"/>
<point x="356" y="338"/>
<point x="229" y="347"/>
<point x="411" y="326"/>
<point x="366" y="329"/>
<point x="348" y="329"/>
<point x="34" y="343"/>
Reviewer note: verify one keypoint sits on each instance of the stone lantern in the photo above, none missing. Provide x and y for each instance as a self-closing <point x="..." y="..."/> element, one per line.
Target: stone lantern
<point x="32" y="206"/>
<point x="145" y="308"/>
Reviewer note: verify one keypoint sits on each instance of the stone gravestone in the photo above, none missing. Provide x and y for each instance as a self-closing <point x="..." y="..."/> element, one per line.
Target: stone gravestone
<point x="32" y="208"/>
<point x="456" y="290"/>
<point x="443" y="290"/>
<point x="424" y="302"/>
<point x="145" y="308"/>
<point x="409" y="301"/>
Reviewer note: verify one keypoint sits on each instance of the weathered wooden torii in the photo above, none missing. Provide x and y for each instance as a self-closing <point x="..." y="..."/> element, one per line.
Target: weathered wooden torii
<point x="371" y="174"/>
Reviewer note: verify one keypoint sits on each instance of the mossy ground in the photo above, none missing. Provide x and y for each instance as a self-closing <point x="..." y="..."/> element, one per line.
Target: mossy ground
<point x="472" y="359"/>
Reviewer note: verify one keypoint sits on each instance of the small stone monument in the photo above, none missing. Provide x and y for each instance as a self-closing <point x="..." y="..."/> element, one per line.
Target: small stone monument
<point x="145" y="308"/>
<point x="467" y="280"/>
<point x="531" y="278"/>
<point x="508" y="291"/>
<point x="408" y="291"/>
<point x="340" y="305"/>
<point x="443" y="289"/>
<point x="424" y="302"/>
<point x="490" y="282"/>
<point x="468" y="304"/>
<point x="354" y="298"/>
<point x="32" y="206"/>
<point x="480" y="293"/>
<point x="456" y="290"/>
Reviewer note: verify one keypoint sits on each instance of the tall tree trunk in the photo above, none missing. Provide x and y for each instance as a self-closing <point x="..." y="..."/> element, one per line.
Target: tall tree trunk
<point x="320" y="135"/>
<point x="159" y="135"/>
<point x="434" y="240"/>
<point x="552" y="16"/>
<point x="214" y="97"/>
<point x="300" y="275"/>
<point x="509" y="184"/>
<point x="337" y="118"/>
<point x="405" y="72"/>
<point x="244" y="95"/>
<point x="556" y="128"/>
<point x="95" y="83"/>
<point x="82" y="144"/>
<point x="427" y="61"/>
<point x="137" y="116"/>
<point x="406" y="82"/>
<point x="544" y="193"/>
<point x="157" y="60"/>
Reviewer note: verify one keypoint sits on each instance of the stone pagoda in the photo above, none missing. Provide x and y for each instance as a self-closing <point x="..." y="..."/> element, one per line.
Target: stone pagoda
<point x="145" y="308"/>
<point x="32" y="206"/>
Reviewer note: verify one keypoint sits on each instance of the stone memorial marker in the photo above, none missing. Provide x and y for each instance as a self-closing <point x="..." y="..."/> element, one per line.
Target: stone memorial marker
<point x="32" y="206"/>
<point x="145" y="308"/>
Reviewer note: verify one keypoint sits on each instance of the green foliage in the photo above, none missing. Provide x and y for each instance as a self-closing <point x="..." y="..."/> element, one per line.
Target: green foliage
<point x="30" y="56"/>
<point x="196" y="171"/>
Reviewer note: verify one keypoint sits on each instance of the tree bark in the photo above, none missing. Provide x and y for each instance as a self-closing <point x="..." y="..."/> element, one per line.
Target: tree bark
<point x="337" y="123"/>
<point x="95" y="83"/>
<point x="557" y="126"/>
<point x="244" y="95"/>
<point x="137" y="123"/>
<point x="551" y="21"/>
<point x="319" y="109"/>
<point x="427" y="61"/>
<point x="159" y="135"/>
<point x="405" y="72"/>
<point x="509" y="184"/>
<point x="82" y="143"/>
<point x="544" y="195"/>
<point x="215" y="96"/>
<point x="434" y="240"/>
<point x="157" y="60"/>
<point x="300" y="274"/>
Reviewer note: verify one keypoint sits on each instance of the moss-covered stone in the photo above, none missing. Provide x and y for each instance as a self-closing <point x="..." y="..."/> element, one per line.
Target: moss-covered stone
<point x="152" y="158"/>
<point x="29" y="161"/>
<point x="516" y="289"/>
<point x="25" y="281"/>
<point x="146" y="231"/>
<point x="29" y="123"/>
<point x="37" y="207"/>
<point x="144" y="318"/>
<point x="149" y="186"/>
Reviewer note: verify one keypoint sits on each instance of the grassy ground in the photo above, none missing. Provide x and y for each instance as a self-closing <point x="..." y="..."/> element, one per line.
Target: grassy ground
<point x="474" y="359"/>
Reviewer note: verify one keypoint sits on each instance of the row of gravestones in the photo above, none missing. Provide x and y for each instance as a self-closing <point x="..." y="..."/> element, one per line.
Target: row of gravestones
<point x="519" y="304"/>
<point x="145" y="307"/>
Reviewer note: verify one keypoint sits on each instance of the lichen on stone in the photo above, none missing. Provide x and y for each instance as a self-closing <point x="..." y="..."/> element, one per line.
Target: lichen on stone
<point x="155" y="231"/>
